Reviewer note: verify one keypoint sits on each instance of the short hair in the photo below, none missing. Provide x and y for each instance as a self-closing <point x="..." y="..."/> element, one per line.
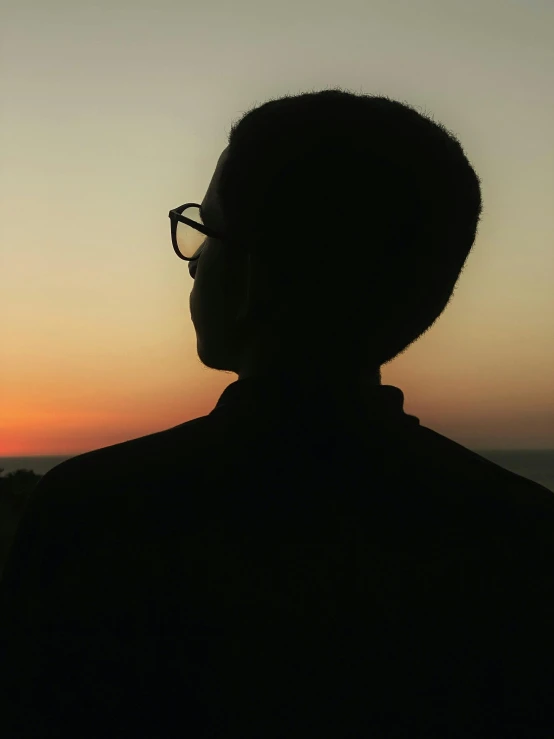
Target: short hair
<point x="310" y="175"/>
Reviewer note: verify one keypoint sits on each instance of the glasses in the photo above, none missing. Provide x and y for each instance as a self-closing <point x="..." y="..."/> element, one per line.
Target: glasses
<point x="188" y="232"/>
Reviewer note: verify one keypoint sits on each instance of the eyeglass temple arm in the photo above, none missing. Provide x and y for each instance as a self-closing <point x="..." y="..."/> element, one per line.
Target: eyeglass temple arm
<point x="174" y="214"/>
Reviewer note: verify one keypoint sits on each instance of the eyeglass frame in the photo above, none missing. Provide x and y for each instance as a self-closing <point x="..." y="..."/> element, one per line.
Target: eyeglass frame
<point x="175" y="216"/>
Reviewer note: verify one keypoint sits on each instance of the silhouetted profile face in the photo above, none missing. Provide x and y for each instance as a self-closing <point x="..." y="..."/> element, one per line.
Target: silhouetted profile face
<point x="219" y="288"/>
<point x="222" y="292"/>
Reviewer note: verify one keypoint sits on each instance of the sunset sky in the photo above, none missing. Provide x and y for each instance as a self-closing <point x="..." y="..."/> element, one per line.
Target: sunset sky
<point x="114" y="112"/>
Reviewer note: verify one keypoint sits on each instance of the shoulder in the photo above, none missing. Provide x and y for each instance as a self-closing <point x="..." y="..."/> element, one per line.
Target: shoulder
<point x="126" y="463"/>
<point x="108" y="488"/>
<point x="508" y="506"/>
<point x="85" y="503"/>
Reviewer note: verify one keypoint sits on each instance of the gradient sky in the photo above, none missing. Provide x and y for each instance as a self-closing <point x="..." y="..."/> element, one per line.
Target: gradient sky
<point x="114" y="112"/>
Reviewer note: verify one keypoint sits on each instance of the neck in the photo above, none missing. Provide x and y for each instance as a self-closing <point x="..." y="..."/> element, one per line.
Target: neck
<point x="343" y="384"/>
<point x="348" y="397"/>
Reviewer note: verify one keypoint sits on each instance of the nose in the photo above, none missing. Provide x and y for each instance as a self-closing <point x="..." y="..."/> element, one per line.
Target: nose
<point x="193" y="263"/>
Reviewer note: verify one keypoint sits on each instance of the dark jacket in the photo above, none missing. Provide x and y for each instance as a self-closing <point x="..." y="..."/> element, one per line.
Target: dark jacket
<point x="270" y="571"/>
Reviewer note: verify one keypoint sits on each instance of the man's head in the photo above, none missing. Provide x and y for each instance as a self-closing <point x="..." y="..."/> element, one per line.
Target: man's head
<point x="347" y="220"/>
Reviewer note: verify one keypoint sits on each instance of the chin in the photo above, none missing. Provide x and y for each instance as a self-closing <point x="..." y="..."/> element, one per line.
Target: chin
<point x="215" y="358"/>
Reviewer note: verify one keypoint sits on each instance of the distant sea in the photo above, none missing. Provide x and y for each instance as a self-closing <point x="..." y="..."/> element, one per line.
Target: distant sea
<point x="535" y="464"/>
<point x="39" y="465"/>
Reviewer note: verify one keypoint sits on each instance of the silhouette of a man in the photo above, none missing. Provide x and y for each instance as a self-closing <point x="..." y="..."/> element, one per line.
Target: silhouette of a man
<point x="307" y="559"/>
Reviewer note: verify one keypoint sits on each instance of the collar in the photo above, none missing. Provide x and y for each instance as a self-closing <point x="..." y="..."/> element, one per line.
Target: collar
<point x="294" y="397"/>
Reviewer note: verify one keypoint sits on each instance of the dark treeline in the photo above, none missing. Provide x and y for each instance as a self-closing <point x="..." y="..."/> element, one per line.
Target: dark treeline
<point x="15" y="490"/>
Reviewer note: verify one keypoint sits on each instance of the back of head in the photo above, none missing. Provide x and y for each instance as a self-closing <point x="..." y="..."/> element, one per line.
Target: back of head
<point x="359" y="213"/>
